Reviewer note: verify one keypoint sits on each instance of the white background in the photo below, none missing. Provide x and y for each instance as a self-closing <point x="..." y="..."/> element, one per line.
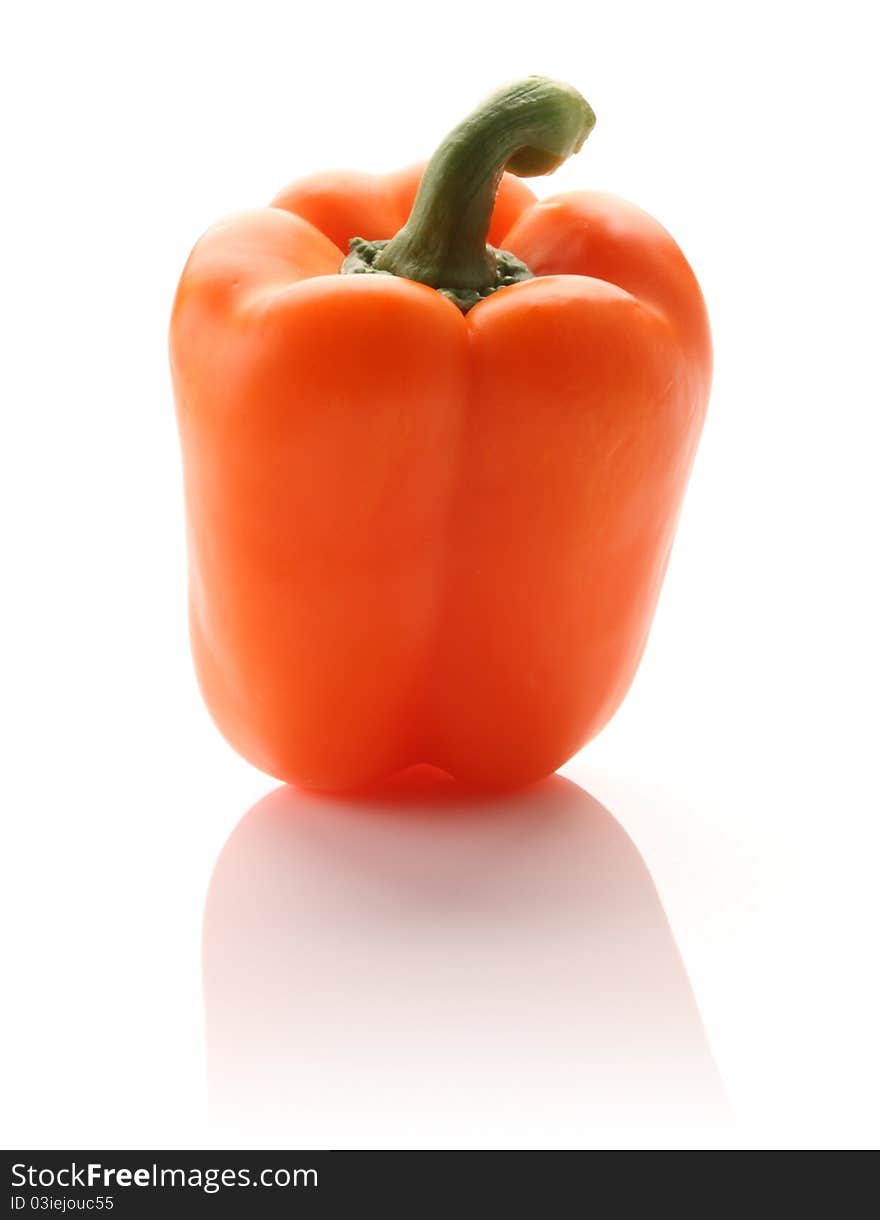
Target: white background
<point x="743" y="765"/>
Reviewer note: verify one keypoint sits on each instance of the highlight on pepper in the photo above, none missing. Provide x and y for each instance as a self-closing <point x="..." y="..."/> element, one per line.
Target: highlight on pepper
<point x="436" y="434"/>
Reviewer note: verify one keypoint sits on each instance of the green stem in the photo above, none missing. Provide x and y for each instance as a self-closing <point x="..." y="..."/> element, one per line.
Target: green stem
<point x="528" y="127"/>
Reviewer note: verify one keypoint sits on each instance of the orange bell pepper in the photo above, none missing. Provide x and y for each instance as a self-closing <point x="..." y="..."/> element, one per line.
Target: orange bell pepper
<point x="432" y="486"/>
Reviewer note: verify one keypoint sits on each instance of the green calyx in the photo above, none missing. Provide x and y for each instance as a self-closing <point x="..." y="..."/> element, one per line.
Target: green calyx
<point x="508" y="269"/>
<point x="528" y="128"/>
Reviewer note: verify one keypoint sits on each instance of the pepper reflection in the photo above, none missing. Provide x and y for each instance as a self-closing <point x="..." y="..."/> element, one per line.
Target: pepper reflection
<point x="431" y="969"/>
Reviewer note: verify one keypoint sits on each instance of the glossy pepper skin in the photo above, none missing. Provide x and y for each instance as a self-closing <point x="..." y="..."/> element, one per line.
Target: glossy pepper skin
<point x="419" y="535"/>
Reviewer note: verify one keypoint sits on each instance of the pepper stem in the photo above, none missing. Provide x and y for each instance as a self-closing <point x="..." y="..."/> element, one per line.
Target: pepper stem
<point x="528" y="127"/>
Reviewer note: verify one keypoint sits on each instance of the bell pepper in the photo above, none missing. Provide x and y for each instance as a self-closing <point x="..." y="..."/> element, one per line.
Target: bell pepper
<point x="435" y="437"/>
